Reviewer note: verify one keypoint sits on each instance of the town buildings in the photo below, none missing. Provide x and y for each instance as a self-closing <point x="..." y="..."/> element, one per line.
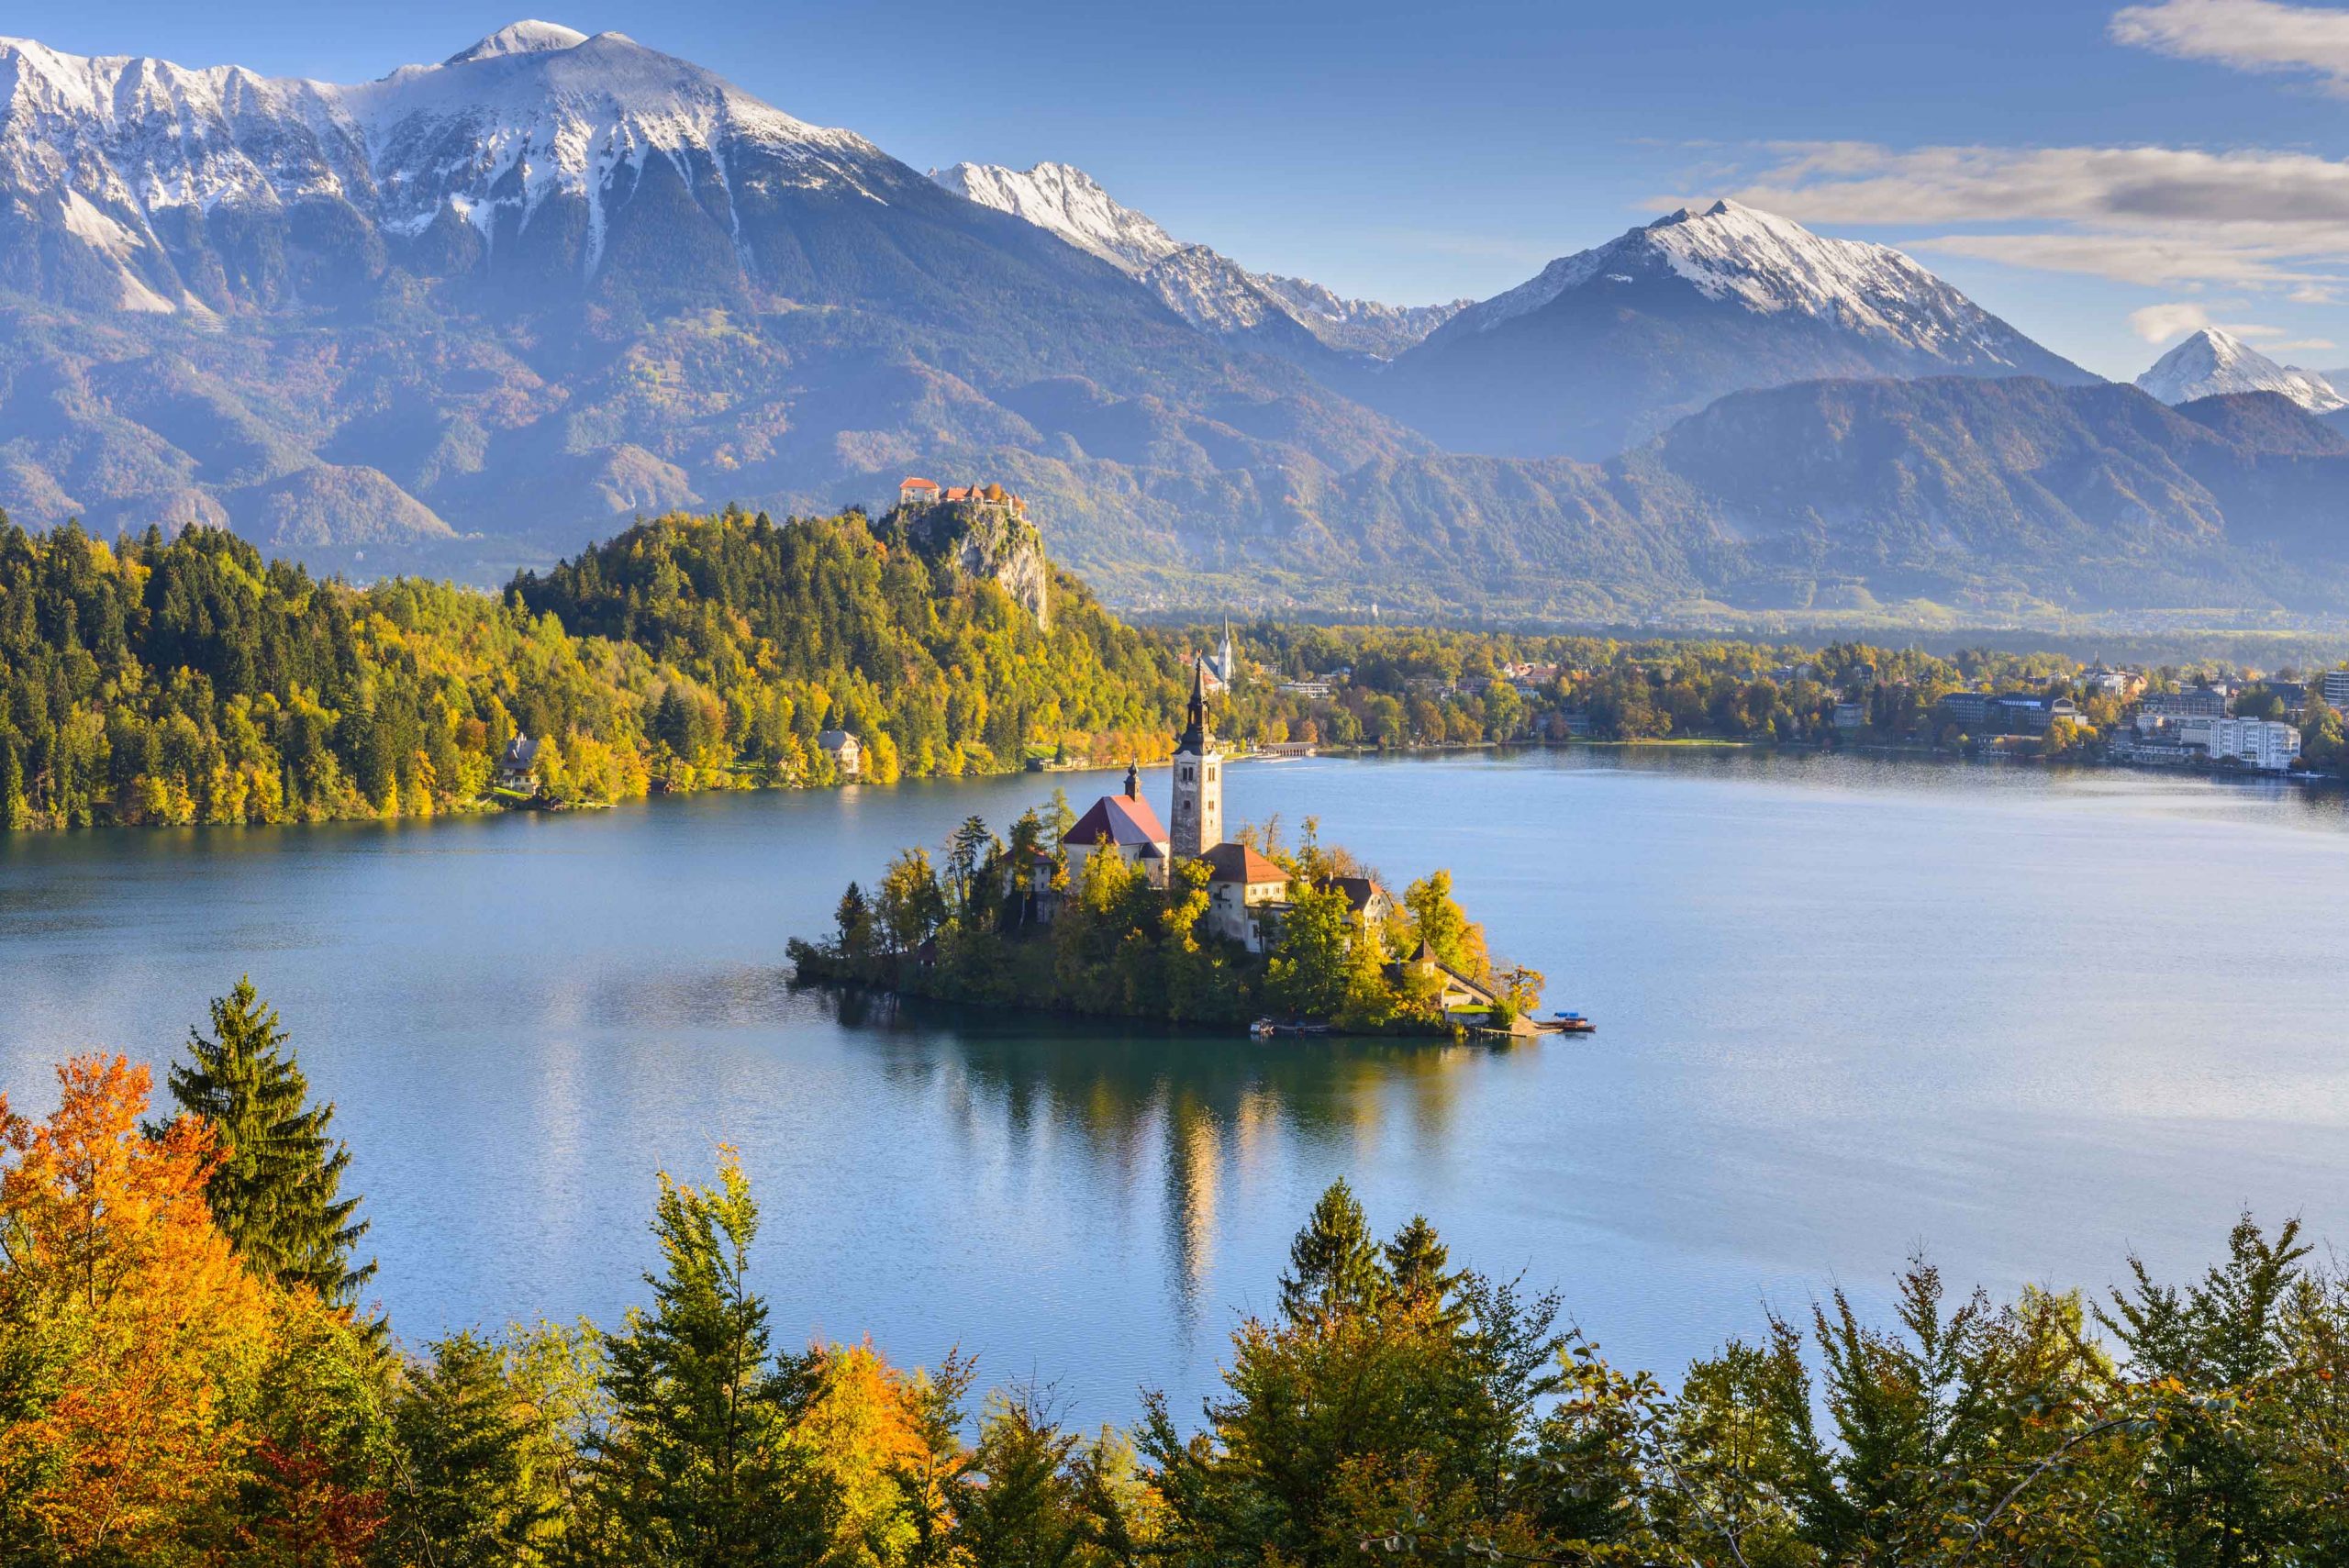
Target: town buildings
<point x="2263" y="743"/>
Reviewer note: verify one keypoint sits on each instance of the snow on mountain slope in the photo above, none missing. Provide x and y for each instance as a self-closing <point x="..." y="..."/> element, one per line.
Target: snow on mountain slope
<point x="1071" y="204"/>
<point x="1605" y="346"/>
<point x="1769" y="264"/>
<point x="1200" y="284"/>
<point x="131" y="158"/>
<point x="2211" y="363"/>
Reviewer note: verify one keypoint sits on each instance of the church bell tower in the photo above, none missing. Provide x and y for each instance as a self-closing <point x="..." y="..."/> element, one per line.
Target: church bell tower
<point x="1198" y="823"/>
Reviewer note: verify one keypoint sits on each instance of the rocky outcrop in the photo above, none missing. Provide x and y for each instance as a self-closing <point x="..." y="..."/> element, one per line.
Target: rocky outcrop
<point x="986" y="535"/>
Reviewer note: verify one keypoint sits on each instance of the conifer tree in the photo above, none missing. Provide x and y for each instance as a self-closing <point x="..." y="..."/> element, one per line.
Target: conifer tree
<point x="690" y="1470"/>
<point x="461" y="1497"/>
<point x="1420" y="1265"/>
<point x="1334" y="1266"/>
<point x="276" y="1194"/>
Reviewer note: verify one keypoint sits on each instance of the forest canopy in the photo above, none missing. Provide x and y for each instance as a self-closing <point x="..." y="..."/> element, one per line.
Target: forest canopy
<point x="185" y="680"/>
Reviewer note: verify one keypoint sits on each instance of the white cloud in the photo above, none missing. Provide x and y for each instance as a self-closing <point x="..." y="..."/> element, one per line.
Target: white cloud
<point x="2159" y="323"/>
<point x="2160" y="217"/>
<point x="2249" y="35"/>
<point x="2297" y="344"/>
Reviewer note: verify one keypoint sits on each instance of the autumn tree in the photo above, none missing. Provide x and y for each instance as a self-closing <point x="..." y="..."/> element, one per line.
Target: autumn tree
<point x="276" y="1192"/>
<point x="1437" y="920"/>
<point x="1309" y="973"/>
<point x="132" y="1341"/>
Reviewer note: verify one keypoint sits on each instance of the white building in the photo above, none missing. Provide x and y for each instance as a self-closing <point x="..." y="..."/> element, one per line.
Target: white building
<point x="2262" y="743"/>
<point x="842" y="748"/>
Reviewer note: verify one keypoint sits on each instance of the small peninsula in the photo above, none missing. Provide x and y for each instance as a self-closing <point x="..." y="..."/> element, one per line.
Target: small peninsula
<point x="1110" y="912"/>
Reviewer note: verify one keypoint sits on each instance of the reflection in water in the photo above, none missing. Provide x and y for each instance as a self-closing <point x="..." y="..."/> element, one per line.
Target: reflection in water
<point x="1202" y="1109"/>
<point x="1847" y="1007"/>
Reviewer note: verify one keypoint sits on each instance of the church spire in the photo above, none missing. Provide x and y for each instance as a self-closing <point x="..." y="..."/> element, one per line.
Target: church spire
<point x="1196" y="736"/>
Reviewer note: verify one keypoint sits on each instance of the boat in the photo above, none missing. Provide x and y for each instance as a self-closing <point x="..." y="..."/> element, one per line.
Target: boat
<point x="1266" y="1028"/>
<point x="1565" y="1023"/>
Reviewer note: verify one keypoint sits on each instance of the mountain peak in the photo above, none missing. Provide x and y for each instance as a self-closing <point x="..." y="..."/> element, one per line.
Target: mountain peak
<point x="2212" y="362"/>
<point x="521" y="38"/>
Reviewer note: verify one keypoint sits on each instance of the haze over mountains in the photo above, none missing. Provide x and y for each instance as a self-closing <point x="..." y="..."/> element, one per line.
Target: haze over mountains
<point x="477" y="313"/>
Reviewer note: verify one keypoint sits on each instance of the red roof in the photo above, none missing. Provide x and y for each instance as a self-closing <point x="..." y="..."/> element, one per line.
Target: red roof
<point x="1238" y="863"/>
<point x="1121" y="819"/>
<point x="916" y="485"/>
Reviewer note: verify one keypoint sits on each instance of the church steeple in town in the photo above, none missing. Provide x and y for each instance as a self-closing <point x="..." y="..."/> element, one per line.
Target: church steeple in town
<point x="1197" y="824"/>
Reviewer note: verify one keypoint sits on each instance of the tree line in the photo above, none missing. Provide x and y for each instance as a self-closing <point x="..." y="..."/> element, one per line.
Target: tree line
<point x="188" y="1376"/>
<point x="1398" y="687"/>
<point x="184" y="680"/>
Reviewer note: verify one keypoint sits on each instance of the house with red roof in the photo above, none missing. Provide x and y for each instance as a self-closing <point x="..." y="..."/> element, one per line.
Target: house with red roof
<point x="1123" y="825"/>
<point x="1246" y="895"/>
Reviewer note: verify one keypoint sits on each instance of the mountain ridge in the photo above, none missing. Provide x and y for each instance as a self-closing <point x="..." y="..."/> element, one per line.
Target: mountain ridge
<point x="1199" y="283"/>
<point x="1605" y="346"/>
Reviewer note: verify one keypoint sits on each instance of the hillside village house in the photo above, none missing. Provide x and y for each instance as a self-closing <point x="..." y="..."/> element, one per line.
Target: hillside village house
<point x="843" y="749"/>
<point x="517" y="766"/>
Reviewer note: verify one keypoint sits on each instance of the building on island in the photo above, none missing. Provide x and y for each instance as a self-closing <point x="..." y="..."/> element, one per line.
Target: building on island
<point x="1370" y="903"/>
<point x="1247" y="894"/>
<point x="1198" y="779"/>
<point x="842" y="747"/>
<point x="1122" y="825"/>
<point x="517" y="766"/>
<point x="1455" y="992"/>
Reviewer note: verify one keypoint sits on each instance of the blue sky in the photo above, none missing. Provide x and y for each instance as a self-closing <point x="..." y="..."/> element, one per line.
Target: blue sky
<point x="2105" y="177"/>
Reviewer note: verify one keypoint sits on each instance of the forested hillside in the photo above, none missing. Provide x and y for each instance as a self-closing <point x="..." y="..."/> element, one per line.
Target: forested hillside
<point x="176" y="681"/>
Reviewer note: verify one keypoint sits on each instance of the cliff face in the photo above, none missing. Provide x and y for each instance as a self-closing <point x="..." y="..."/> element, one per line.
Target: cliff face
<point x="990" y="540"/>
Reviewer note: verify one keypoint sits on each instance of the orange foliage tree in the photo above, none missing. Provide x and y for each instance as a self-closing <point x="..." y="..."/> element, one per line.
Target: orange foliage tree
<point x="145" y="1373"/>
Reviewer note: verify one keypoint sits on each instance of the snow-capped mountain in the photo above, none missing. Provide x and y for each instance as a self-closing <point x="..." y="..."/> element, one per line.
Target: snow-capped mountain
<point x="2212" y="363"/>
<point x="1202" y="286"/>
<point x="1606" y="345"/>
<point x="495" y="304"/>
<point x="146" y="185"/>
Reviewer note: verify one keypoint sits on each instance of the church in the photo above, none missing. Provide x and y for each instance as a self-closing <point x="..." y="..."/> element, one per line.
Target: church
<point x="1246" y="893"/>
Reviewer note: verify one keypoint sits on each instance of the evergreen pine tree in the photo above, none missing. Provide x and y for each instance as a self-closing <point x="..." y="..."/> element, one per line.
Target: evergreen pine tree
<point x="276" y="1194"/>
<point x="1419" y="1263"/>
<point x="1334" y="1265"/>
<point x="461" y="1497"/>
<point x="690" y="1470"/>
<point x="12" y="784"/>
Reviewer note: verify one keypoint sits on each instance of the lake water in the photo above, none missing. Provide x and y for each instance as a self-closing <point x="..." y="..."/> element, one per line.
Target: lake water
<point x="1847" y="1010"/>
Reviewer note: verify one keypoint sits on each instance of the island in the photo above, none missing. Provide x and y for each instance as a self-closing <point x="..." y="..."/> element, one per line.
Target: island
<point x="1111" y="912"/>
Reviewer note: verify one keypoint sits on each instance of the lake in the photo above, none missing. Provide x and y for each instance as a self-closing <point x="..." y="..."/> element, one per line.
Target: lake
<point x="1848" y="1009"/>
